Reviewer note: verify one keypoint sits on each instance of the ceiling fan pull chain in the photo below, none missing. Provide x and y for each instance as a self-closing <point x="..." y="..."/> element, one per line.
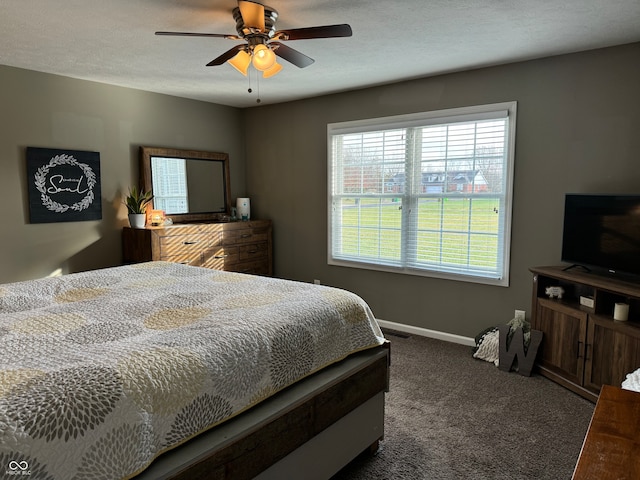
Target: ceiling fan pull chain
<point x="250" y="90"/>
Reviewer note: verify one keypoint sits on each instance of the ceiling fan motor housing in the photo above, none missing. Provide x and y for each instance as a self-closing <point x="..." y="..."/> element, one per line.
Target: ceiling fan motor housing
<point x="244" y="31"/>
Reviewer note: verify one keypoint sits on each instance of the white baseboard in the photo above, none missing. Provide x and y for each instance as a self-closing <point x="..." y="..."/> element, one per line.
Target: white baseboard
<point x="424" y="332"/>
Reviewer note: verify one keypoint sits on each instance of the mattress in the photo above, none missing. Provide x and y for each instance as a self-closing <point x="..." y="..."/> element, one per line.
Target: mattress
<point x="102" y="371"/>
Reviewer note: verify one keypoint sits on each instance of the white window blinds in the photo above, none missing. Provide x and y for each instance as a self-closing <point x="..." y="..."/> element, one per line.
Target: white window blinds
<point x="425" y="194"/>
<point x="169" y="176"/>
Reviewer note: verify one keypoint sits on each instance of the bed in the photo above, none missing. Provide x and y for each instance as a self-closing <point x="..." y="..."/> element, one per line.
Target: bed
<point x="162" y="370"/>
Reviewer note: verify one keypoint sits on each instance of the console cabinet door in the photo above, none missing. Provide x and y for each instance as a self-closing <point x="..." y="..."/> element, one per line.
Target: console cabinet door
<point x="611" y="354"/>
<point x="563" y="346"/>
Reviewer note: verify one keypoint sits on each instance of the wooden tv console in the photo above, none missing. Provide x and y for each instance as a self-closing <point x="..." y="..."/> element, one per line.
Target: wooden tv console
<point x="583" y="347"/>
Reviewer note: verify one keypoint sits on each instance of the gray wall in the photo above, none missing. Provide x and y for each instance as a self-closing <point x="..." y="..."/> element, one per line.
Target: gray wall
<point x="577" y="131"/>
<point x="578" y="118"/>
<point x="42" y="110"/>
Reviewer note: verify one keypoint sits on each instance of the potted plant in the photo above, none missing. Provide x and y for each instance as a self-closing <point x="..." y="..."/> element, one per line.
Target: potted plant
<point x="136" y="202"/>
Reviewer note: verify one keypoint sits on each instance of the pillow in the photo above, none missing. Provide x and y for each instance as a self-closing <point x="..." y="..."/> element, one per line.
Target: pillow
<point x="632" y="382"/>
<point x="488" y="346"/>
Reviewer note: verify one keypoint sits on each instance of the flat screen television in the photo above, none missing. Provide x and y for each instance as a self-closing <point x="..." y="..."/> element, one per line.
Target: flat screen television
<point x="602" y="233"/>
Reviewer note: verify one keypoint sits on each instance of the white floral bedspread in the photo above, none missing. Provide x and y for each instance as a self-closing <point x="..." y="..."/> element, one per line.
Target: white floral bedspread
<point x="102" y="371"/>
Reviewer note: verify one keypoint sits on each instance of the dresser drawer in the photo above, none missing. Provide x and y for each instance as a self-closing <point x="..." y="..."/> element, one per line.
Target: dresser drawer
<point x="194" y="259"/>
<point x="244" y="235"/>
<point x="183" y="244"/>
<point x="213" y="232"/>
<point x="253" y="251"/>
<point x="220" y="258"/>
<point x="257" y="267"/>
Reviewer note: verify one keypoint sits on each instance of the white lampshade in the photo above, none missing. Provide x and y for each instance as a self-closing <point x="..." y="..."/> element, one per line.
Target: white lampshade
<point x="240" y="62"/>
<point x="272" y="71"/>
<point x="263" y="57"/>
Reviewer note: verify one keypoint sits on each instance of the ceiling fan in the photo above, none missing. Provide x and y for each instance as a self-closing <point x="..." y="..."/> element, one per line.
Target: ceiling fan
<point x="255" y="23"/>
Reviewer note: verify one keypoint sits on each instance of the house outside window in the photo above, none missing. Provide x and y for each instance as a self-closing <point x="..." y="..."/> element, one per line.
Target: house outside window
<point x="424" y="194"/>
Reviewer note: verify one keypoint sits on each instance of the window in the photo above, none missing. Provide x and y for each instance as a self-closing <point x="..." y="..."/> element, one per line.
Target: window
<point x="170" y="184"/>
<point x="424" y="194"/>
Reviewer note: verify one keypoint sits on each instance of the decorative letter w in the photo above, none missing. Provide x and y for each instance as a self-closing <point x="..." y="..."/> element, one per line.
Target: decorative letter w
<point x="516" y="349"/>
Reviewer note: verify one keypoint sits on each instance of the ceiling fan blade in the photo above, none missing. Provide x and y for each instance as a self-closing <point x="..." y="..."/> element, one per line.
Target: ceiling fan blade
<point x="229" y="54"/>
<point x="192" y="34"/>
<point x="291" y="55"/>
<point x="252" y="14"/>
<point x="326" y="31"/>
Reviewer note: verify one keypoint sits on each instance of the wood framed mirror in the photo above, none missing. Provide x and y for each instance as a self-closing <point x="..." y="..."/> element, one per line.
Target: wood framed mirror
<point x="189" y="185"/>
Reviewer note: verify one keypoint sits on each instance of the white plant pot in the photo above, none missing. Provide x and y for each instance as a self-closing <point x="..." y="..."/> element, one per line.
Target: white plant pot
<point x="137" y="220"/>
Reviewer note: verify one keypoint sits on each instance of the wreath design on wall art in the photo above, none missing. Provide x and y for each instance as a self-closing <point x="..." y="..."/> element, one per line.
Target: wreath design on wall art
<point x="40" y="179"/>
<point x="63" y="185"/>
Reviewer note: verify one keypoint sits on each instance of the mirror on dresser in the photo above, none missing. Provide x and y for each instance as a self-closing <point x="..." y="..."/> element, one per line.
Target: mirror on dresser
<point x="189" y="185"/>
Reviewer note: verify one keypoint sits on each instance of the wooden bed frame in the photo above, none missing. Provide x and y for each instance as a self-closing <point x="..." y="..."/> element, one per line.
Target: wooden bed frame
<point x="316" y="426"/>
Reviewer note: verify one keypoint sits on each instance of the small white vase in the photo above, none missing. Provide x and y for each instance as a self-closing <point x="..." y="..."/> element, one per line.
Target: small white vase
<point x="137" y="220"/>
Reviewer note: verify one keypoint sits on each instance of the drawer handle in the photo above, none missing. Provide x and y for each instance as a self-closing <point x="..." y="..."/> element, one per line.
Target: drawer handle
<point x="189" y="243"/>
<point x="253" y="251"/>
<point x="217" y="257"/>
<point x="245" y="235"/>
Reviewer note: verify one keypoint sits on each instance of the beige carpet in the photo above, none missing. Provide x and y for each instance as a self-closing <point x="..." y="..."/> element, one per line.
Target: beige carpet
<point x="450" y="416"/>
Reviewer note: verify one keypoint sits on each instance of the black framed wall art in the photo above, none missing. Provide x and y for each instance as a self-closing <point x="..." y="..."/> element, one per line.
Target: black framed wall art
<point x="63" y="185"/>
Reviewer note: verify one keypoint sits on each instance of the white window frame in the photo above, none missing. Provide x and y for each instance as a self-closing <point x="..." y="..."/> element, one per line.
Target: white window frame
<point x="448" y="116"/>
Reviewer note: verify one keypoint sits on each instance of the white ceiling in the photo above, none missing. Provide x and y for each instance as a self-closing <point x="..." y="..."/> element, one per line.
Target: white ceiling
<point x="113" y="41"/>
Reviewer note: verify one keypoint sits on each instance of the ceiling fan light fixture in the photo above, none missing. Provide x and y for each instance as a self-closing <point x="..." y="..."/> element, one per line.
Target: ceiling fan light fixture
<point x="263" y="57"/>
<point x="256" y="25"/>
<point x="241" y="62"/>
<point x="270" y="72"/>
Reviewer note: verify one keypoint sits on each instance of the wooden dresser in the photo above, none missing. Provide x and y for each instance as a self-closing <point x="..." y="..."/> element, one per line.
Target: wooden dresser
<point x="235" y="246"/>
